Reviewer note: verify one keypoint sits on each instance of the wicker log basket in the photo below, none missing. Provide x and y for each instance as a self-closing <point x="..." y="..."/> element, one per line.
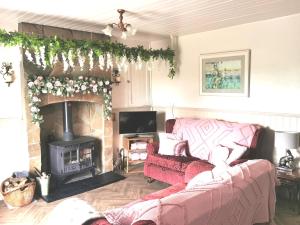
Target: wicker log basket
<point x="19" y="194"/>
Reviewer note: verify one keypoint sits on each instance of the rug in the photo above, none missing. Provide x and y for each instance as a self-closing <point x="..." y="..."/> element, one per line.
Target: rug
<point x="81" y="186"/>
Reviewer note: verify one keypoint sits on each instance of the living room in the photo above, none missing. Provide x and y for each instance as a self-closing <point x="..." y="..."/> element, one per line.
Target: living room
<point x="267" y="34"/>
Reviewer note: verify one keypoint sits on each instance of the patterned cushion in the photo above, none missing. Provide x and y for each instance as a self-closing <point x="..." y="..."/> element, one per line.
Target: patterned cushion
<point x="170" y="161"/>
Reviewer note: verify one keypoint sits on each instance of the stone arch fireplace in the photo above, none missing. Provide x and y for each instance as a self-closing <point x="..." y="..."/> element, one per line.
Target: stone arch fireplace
<point x="88" y="108"/>
<point x="103" y="129"/>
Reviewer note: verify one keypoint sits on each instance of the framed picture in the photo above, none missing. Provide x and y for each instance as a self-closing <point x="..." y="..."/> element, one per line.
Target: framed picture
<point x="225" y="73"/>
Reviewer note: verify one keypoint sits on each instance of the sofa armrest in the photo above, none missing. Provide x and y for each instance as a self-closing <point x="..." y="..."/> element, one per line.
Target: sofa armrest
<point x="152" y="148"/>
<point x="195" y="168"/>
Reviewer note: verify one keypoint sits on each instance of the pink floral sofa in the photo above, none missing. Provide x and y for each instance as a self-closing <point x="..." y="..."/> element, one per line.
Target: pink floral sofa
<point x="206" y="140"/>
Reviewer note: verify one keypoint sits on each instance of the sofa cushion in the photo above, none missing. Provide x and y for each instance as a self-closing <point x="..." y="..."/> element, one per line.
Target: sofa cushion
<point x="203" y="135"/>
<point x="218" y="155"/>
<point x="237" y="151"/>
<point x="170" y="161"/>
<point x="169" y="145"/>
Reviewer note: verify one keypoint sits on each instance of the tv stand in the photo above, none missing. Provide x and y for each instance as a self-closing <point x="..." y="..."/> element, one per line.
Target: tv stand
<point x="139" y="150"/>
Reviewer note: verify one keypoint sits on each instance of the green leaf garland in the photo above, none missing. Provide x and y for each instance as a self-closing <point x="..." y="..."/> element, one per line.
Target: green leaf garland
<point x="55" y="45"/>
<point x="67" y="87"/>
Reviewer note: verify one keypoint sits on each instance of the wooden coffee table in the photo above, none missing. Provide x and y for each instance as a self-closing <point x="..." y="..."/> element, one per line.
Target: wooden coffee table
<point x="292" y="182"/>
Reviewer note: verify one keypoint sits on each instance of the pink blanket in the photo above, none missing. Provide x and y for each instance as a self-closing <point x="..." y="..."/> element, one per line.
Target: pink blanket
<point x="241" y="195"/>
<point x="204" y="135"/>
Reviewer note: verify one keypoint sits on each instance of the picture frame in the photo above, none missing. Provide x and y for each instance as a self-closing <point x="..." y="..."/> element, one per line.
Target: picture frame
<point x="225" y="73"/>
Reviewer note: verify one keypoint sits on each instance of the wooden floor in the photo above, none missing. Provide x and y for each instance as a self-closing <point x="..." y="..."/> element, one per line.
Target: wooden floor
<point x="110" y="196"/>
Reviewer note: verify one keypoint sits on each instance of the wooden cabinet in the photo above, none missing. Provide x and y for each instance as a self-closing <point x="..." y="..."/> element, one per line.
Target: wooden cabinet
<point x="134" y="89"/>
<point x="135" y="149"/>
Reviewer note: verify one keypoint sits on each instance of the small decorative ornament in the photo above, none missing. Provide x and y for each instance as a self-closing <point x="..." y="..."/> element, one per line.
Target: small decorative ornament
<point x="7" y="72"/>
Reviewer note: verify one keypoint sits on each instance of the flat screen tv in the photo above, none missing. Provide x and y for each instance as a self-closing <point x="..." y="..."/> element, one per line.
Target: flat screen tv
<point x="137" y="122"/>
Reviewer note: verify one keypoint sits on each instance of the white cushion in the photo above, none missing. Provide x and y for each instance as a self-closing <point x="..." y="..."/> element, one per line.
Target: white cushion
<point x="202" y="178"/>
<point x="236" y="153"/>
<point x="168" y="144"/>
<point x="218" y="155"/>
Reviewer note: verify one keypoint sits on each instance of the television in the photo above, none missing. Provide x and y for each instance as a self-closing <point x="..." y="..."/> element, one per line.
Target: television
<point x="137" y="122"/>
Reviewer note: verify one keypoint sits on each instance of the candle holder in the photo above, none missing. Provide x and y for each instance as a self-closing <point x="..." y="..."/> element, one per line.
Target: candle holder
<point x="7" y="73"/>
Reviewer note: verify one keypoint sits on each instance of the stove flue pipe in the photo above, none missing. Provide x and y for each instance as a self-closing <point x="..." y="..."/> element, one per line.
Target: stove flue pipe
<point x="67" y="119"/>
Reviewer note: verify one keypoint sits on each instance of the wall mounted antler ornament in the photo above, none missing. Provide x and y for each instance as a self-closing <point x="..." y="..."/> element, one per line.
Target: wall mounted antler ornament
<point x="7" y="72"/>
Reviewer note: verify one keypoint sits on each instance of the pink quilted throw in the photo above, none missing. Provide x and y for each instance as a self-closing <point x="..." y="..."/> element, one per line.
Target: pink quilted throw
<point x="203" y="135"/>
<point x="240" y="195"/>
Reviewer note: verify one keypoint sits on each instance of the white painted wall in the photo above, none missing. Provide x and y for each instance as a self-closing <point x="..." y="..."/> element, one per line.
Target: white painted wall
<point x="13" y="144"/>
<point x="275" y="67"/>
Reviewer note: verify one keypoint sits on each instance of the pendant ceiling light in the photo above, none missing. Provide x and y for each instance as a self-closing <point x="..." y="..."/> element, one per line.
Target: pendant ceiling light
<point x="125" y="28"/>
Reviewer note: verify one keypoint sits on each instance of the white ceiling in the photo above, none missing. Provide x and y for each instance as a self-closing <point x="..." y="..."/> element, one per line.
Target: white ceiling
<point x="155" y="17"/>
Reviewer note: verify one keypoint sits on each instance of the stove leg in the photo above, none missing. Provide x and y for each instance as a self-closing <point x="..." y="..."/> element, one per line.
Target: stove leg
<point x="93" y="171"/>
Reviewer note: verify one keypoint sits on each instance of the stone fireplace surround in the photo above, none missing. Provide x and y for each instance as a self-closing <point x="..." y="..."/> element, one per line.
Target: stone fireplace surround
<point x="99" y="127"/>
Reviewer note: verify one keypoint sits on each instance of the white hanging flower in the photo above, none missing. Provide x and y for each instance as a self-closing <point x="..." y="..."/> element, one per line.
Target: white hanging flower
<point x="139" y="64"/>
<point x="101" y="62"/>
<point x="80" y="59"/>
<point x="28" y="55"/>
<point x="42" y="56"/>
<point x="80" y="77"/>
<point x="30" y="84"/>
<point x="34" y="109"/>
<point x="70" y="58"/>
<point x="101" y="83"/>
<point x="107" y="82"/>
<point x="44" y="91"/>
<point x="104" y="90"/>
<point x="91" y="59"/>
<point x="83" y="87"/>
<point x="69" y="89"/>
<point x="109" y="63"/>
<point x="49" y="85"/>
<point x="35" y="99"/>
<point x="65" y="63"/>
<point x="59" y="92"/>
<point x="57" y="83"/>
<point x="37" y="82"/>
<point x="37" y="58"/>
<point x="95" y="88"/>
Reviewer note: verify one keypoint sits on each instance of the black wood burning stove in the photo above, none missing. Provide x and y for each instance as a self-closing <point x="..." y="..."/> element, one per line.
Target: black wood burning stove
<point x="72" y="155"/>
